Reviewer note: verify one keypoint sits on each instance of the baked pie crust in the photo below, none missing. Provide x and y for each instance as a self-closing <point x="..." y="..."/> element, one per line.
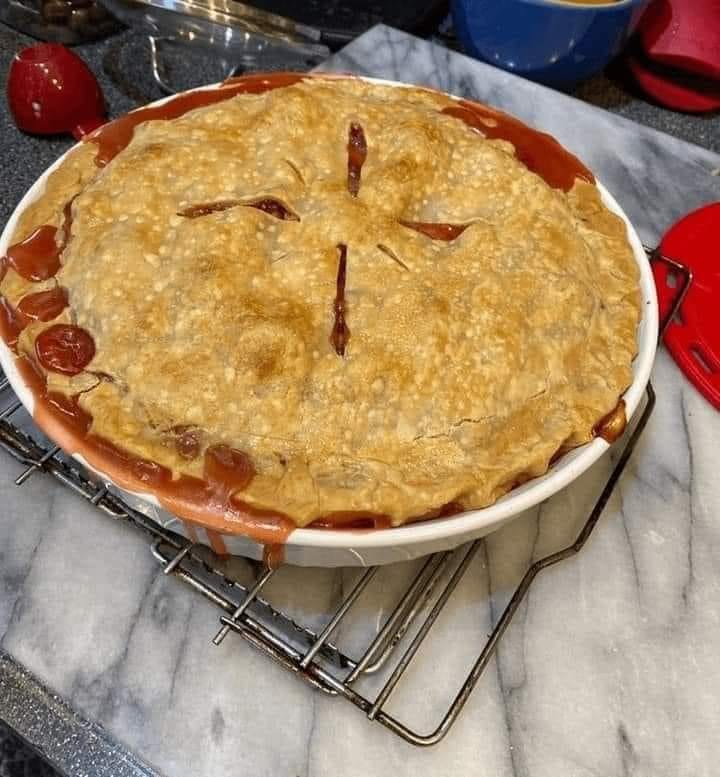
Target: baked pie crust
<point x="325" y="301"/>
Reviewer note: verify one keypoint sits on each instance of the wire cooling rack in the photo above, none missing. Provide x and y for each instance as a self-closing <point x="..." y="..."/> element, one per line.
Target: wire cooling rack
<point x="308" y="650"/>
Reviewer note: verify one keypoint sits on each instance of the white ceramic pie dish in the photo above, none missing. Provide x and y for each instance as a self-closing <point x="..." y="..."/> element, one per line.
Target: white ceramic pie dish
<point x="330" y="547"/>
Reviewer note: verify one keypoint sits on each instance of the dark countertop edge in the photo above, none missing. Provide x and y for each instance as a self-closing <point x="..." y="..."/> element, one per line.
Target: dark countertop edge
<point x="48" y="724"/>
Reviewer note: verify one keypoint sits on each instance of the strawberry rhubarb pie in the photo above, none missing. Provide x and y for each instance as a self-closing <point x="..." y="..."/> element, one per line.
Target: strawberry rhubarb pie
<point x="321" y="301"/>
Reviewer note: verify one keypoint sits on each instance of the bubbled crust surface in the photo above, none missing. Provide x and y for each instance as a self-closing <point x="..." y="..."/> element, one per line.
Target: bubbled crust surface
<point x="470" y="363"/>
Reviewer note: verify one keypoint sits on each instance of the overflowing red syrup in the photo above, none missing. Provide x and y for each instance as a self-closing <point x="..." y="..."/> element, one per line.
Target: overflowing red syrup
<point x="42" y="305"/>
<point x="39" y="306"/>
<point x="217" y="543"/>
<point x="273" y="555"/>
<point x="446" y="232"/>
<point x="357" y="154"/>
<point x="148" y="473"/>
<point x="10" y="323"/>
<point x="37" y="258"/>
<point x="227" y="469"/>
<point x="207" y="502"/>
<point x="187" y="441"/>
<point x="340" y="333"/>
<point x="351" y="520"/>
<point x="54" y="412"/>
<point x="612" y="426"/>
<point x="269" y="205"/>
<point x="64" y="348"/>
<point x="69" y="408"/>
<point x="363" y="520"/>
<point x="221" y="507"/>
<point x="538" y="151"/>
<point x="113" y="137"/>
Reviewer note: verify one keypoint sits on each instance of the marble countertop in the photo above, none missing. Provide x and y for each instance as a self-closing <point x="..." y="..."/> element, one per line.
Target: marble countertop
<point x="610" y="667"/>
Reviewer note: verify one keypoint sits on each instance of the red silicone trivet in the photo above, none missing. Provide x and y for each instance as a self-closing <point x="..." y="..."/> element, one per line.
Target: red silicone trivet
<point x="693" y="337"/>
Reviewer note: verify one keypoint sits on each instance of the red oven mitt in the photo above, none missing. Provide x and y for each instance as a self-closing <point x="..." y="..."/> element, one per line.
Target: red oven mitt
<point x="678" y="62"/>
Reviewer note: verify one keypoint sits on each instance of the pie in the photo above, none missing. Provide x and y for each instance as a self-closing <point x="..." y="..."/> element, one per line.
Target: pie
<point x="322" y="302"/>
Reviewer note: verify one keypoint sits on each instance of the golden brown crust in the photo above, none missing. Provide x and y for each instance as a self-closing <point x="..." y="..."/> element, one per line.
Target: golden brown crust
<point x="470" y="362"/>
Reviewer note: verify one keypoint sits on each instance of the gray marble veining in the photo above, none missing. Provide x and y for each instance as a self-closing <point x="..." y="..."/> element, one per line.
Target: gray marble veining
<point x="610" y="667"/>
